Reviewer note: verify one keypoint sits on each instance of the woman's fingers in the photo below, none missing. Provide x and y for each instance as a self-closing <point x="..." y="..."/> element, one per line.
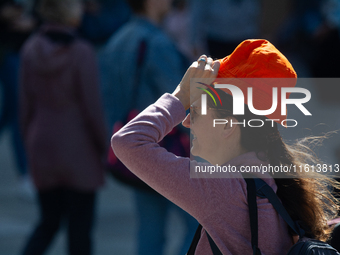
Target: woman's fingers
<point x="209" y="64"/>
<point x="215" y="67"/>
<point x="204" y="70"/>
<point x="202" y="61"/>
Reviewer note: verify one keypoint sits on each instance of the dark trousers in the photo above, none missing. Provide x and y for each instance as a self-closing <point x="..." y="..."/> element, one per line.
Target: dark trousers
<point x="76" y="208"/>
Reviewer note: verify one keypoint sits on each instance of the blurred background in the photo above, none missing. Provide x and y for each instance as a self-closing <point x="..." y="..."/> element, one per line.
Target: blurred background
<point x="306" y="31"/>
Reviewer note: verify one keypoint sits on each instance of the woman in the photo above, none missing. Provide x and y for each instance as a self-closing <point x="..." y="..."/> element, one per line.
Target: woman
<point x="220" y="205"/>
<point x="63" y="127"/>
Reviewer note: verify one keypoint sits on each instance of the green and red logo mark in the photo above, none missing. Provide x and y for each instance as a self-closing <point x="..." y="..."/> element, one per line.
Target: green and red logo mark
<point x="213" y="90"/>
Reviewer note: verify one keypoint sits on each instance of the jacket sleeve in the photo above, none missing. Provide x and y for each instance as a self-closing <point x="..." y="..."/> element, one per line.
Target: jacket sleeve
<point x="136" y="146"/>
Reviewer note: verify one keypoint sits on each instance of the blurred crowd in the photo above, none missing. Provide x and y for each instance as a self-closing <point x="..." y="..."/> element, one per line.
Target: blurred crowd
<point x="68" y="70"/>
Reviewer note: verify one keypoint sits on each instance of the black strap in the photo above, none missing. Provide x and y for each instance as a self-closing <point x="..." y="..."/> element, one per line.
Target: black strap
<point x="251" y="197"/>
<point x="213" y="246"/>
<point x="197" y="237"/>
<point x="263" y="189"/>
<point x="195" y="240"/>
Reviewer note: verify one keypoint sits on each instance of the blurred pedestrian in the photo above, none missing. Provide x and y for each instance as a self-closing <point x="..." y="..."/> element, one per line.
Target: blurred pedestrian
<point x="161" y="68"/>
<point x="326" y="39"/>
<point x="217" y="26"/>
<point x="102" y="18"/>
<point x="177" y="26"/>
<point x="63" y="127"/>
<point x="15" y="27"/>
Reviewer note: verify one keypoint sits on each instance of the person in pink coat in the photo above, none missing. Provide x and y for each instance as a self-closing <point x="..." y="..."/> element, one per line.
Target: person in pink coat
<point x="63" y="126"/>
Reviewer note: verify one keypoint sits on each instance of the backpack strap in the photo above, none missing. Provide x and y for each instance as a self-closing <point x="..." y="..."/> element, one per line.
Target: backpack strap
<point x="195" y="240"/>
<point x="264" y="190"/>
<point x="213" y="246"/>
<point x="251" y="197"/>
<point x="192" y="249"/>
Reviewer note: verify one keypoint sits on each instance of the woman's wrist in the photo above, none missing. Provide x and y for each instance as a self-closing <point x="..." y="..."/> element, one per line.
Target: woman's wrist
<point x="182" y="97"/>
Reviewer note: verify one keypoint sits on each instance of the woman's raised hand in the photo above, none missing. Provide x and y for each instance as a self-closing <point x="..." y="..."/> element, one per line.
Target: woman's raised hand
<point x="204" y="68"/>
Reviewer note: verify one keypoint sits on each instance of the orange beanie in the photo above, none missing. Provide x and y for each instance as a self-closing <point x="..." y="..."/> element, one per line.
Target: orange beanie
<point x="258" y="64"/>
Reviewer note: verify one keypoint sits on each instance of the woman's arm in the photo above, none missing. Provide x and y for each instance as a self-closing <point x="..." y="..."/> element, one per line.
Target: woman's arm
<point x="136" y="145"/>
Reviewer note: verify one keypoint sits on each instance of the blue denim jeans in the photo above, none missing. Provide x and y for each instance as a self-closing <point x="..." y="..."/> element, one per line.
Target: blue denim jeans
<point x="9" y="107"/>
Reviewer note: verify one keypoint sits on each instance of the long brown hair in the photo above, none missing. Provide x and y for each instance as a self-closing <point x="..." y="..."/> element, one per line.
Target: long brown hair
<point x="308" y="199"/>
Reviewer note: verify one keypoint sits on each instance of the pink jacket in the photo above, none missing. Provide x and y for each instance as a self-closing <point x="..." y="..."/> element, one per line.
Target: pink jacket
<point x="220" y="205"/>
<point x="61" y="112"/>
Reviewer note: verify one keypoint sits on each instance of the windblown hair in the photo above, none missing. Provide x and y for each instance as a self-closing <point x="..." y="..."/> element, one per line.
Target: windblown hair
<point x="307" y="199"/>
<point x="60" y="11"/>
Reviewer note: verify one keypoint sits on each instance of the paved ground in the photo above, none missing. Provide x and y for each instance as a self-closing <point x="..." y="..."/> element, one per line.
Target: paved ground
<point x="114" y="232"/>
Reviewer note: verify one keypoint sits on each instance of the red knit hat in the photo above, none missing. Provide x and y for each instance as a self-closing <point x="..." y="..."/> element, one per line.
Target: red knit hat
<point x="263" y="67"/>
